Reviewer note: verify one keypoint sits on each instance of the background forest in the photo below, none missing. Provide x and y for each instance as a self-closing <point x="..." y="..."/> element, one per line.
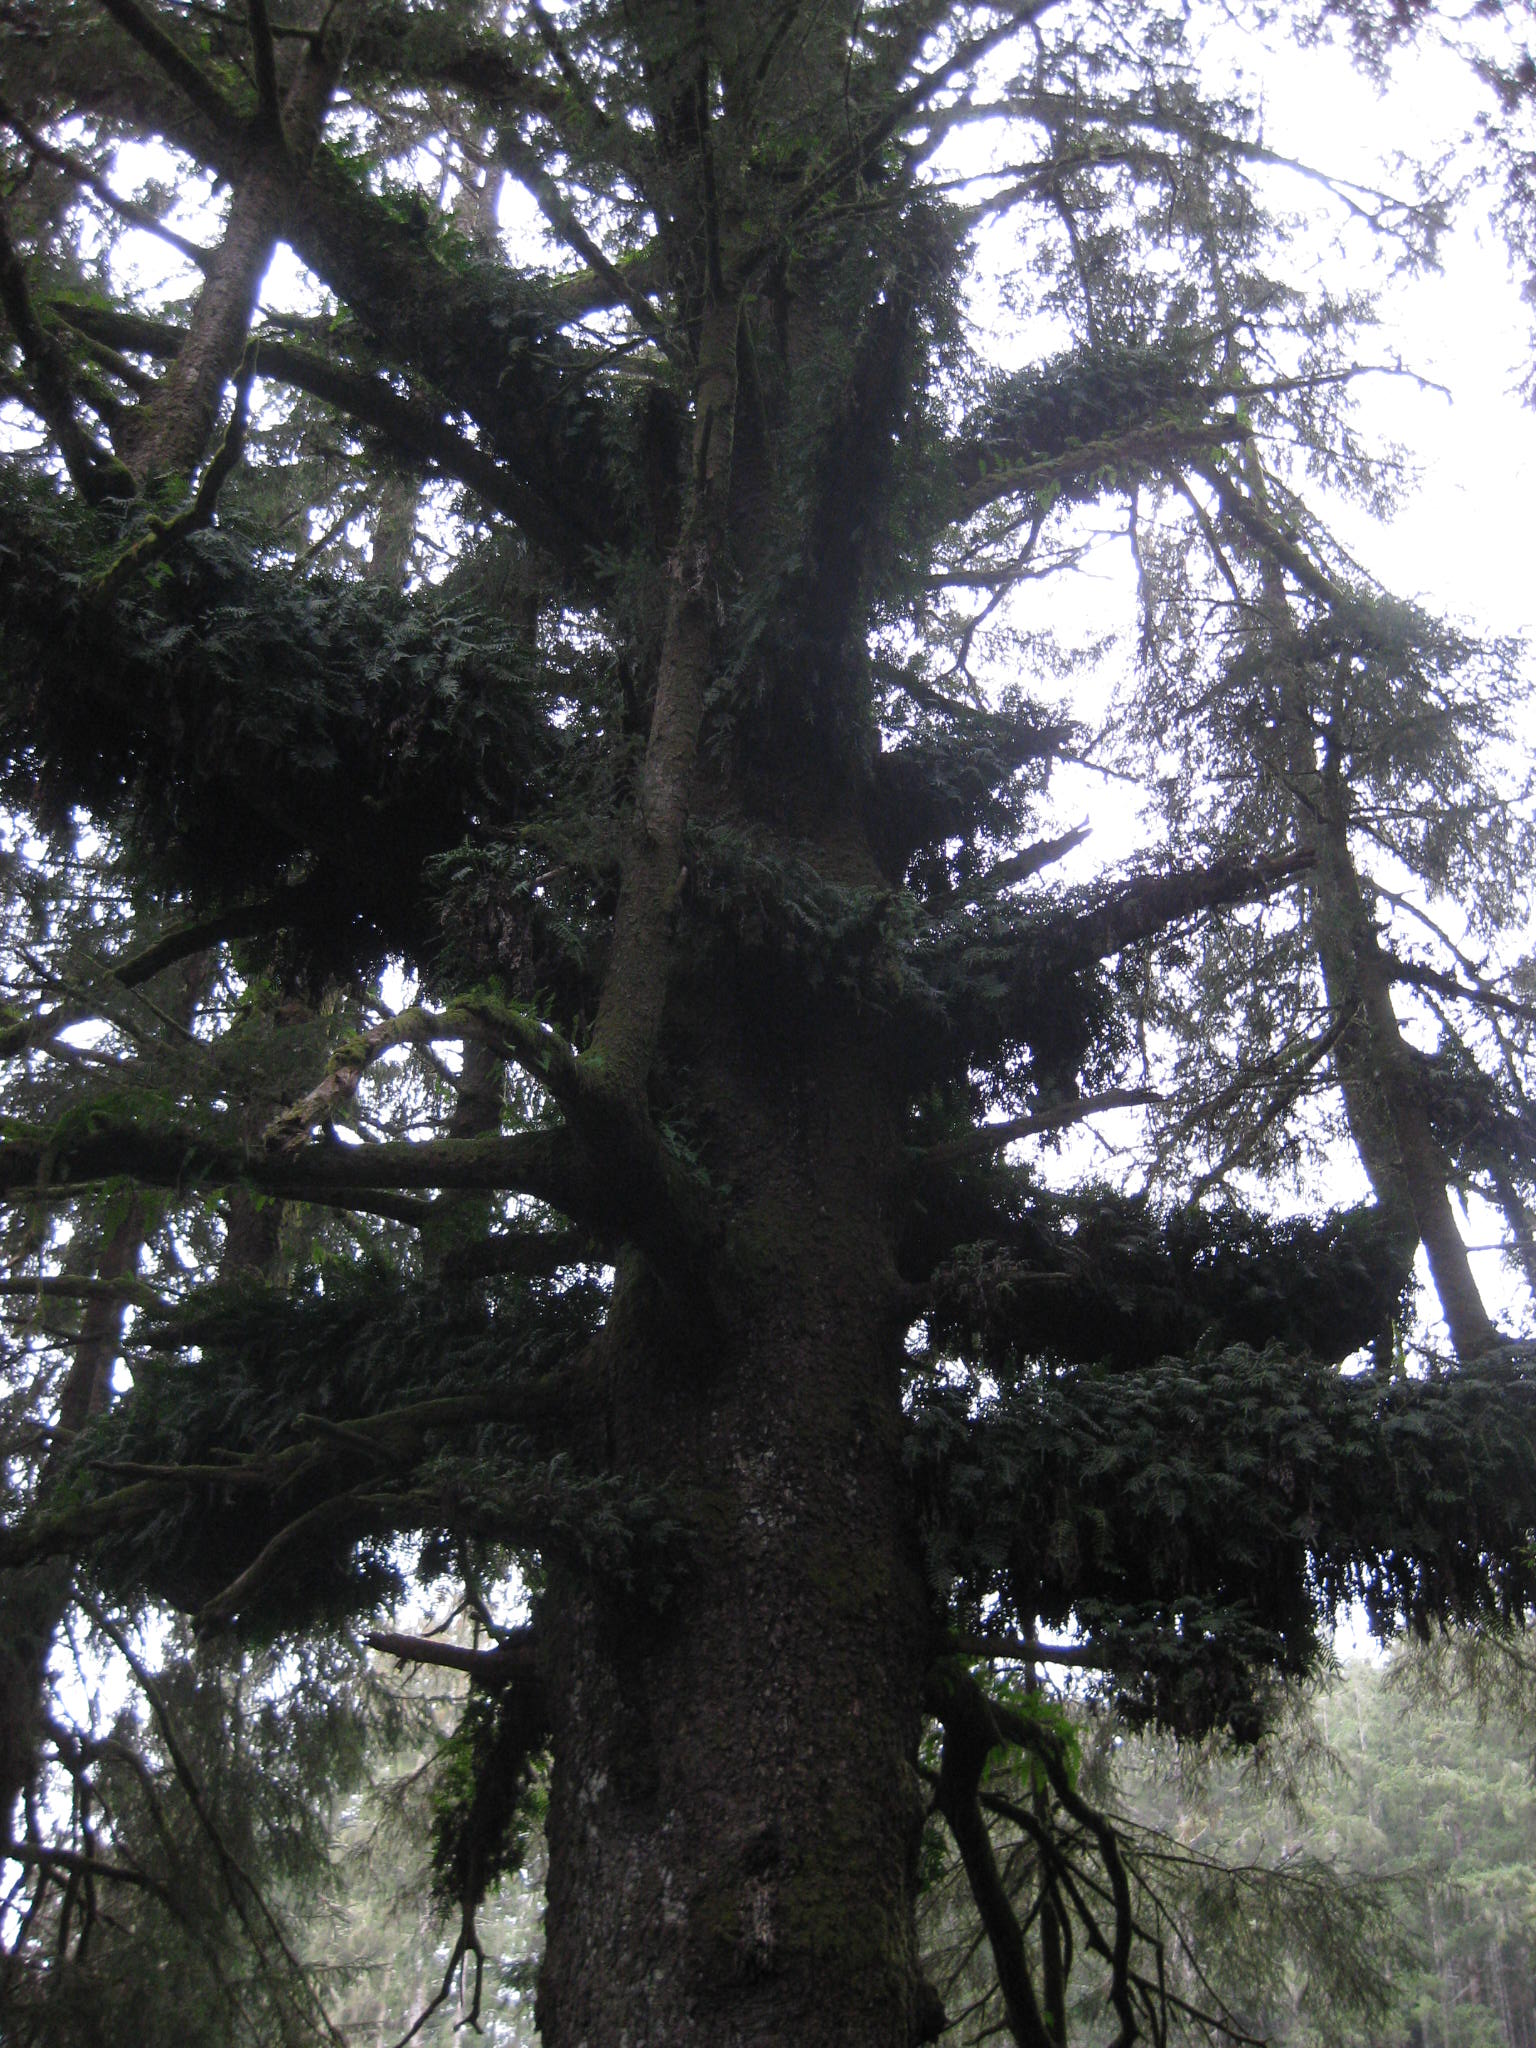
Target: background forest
<point x="1370" y="1882"/>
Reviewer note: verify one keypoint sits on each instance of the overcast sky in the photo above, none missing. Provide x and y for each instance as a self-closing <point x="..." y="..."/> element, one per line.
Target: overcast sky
<point x="1463" y="541"/>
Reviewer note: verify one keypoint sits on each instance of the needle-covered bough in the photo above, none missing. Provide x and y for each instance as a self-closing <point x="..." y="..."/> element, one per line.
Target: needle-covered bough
<point x="545" y="1043"/>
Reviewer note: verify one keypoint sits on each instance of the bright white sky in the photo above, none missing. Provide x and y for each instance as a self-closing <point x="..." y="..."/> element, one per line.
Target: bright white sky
<point x="1459" y="542"/>
<point x="1463" y="542"/>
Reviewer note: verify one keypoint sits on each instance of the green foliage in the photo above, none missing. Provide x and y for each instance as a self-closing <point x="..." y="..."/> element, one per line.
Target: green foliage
<point x="1426" y="1803"/>
<point x="484" y="1797"/>
<point x="1098" y="1277"/>
<point x="219" y="1787"/>
<point x="1085" y="397"/>
<point x="1201" y="1520"/>
<point x="282" y="1387"/>
<point x="251" y="732"/>
<point x="1053" y="1725"/>
<point x="607" y="630"/>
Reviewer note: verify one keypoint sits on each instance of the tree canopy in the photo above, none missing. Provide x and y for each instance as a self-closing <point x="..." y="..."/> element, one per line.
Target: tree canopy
<point x="541" y="1011"/>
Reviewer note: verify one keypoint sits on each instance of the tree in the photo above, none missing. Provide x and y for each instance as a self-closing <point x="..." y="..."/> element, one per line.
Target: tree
<point x="699" y="1277"/>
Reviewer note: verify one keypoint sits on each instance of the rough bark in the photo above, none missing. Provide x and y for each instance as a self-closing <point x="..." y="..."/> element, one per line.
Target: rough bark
<point x="1383" y="1102"/>
<point x="1388" y="1117"/>
<point x="735" y="1810"/>
<point x="635" y="986"/>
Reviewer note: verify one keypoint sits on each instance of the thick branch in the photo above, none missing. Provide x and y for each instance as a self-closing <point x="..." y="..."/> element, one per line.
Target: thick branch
<point x="244" y="921"/>
<point x="1149" y="904"/>
<point x="169" y="431"/>
<point x="1412" y="974"/>
<point x="523" y="386"/>
<point x="992" y="1137"/>
<point x="414" y="422"/>
<point x="534" y="1162"/>
<point x="264" y="60"/>
<point x="514" y="1658"/>
<point x="188" y="77"/>
<point x="984" y="474"/>
<point x="970" y="1735"/>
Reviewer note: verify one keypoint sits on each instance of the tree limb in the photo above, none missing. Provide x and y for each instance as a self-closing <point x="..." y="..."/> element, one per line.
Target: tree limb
<point x="992" y="1137"/>
<point x="82" y="173"/>
<point x="515" y="1658"/>
<point x="169" y="57"/>
<point x="94" y="474"/>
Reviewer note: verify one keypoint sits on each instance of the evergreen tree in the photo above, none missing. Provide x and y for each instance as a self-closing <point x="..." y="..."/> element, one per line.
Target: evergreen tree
<point x="532" y="961"/>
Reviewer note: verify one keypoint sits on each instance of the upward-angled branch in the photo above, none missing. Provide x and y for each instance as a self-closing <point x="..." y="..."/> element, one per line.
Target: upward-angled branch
<point x="525" y="165"/>
<point x="264" y="59"/>
<point x="902" y="106"/>
<point x="634" y="988"/>
<point x="993" y="1137"/>
<point x="93" y="473"/>
<point x="1149" y="904"/>
<point x="425" y="314"/>
<point x="985" y="474"/>
<point x="565" y="64"/>
<point x="168" y="432"/>
<point x="183" y="72"/>
<point x="413" y="421"/>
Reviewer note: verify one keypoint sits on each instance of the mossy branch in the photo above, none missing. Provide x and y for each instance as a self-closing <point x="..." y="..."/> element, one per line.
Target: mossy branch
<point x="162" y="535"/>
<point x="169" y="57"/>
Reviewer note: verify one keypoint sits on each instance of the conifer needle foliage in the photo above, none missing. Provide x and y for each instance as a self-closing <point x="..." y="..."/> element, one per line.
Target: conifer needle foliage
<point x="567" y="1056"/>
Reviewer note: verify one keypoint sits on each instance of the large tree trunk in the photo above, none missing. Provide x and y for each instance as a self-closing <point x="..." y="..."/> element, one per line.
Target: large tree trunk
<point x="735" y="1810"/>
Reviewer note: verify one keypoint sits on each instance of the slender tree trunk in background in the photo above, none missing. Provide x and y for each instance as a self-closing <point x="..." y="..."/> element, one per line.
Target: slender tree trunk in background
<point x="1383" y="1099"/>
<point x="735" y="1812"/>
<point x="462" y="1219"/>
<point x="394" y="529"/>
<point x="252" y="1236"/>
<point x="1383" y="1102"/>
<point x="1521" y="1225"/>
<point x="33" y="1600"/>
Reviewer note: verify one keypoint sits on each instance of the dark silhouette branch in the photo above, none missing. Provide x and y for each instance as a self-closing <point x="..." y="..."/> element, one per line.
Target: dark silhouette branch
<point x="187" y="76"/>
<point x="992" y="1137"/>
